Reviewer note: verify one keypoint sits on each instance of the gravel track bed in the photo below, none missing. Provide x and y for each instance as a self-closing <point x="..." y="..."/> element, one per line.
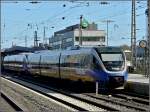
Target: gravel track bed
<point x="109" y="104"/>
<point x="5" y="107"/>
<point x="137" y="101"/>
<point x="134" y="94"/>
<point x="79" y="103"/>
<point x="33" y="102"/>
<point x="122" y="102"/>
<point x="88" y="108"/>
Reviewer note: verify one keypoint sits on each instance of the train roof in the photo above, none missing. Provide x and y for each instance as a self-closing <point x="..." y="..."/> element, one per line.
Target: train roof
<point x="108" y="49"/>
<point x="101" y="48"/>
<point x="81" y="50"/>
<point x="56" y="52"/>
<point x="77" y="50"/>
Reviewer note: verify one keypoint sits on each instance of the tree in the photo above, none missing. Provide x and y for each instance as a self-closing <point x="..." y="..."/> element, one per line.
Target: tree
<point x="125" y="47"/>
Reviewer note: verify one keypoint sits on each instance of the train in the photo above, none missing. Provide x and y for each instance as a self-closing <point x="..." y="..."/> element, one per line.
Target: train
<point x="105" y="65"/>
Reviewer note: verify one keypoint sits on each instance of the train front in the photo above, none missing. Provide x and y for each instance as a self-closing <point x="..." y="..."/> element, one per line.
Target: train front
<point x="113" y="66"/>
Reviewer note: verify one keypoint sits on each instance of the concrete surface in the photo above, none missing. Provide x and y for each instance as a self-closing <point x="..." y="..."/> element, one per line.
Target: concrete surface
<point x="137" y="83"/>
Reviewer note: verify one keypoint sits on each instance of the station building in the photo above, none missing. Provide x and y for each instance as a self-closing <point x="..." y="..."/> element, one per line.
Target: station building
<point x="69" y="37"/>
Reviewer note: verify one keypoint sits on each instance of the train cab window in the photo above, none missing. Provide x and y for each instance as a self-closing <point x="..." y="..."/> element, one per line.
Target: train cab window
<point x="95" y="64"/>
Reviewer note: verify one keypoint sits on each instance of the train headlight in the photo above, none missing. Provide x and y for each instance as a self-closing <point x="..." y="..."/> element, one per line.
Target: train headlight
<point x="119" y="79"/>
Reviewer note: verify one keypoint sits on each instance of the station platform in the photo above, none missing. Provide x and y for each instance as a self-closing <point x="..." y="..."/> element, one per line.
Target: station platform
<point x="137" y="83"/>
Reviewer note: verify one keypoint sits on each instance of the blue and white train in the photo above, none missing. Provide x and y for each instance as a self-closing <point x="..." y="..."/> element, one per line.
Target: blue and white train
<point x="107" y="65"/>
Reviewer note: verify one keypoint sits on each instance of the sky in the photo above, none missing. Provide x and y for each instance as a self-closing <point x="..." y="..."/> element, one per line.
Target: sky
<point x="21" y="19"/>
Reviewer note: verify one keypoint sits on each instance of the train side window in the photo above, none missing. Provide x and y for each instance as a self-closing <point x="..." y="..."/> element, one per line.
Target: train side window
<point x="85" y="61"/>
<point x="27" y="59"/>
<point x="95" y="63"/>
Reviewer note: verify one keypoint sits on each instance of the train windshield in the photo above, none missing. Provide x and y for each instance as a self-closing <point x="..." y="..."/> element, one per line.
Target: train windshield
<point x="113" y="59"/>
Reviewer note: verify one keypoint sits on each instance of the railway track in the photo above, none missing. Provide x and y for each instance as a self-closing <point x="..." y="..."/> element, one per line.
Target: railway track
<point x="66" y="99"/>
<point x="131" y="97"/>
<point x="117" y="102"/>
<point x="132" y="94"/>
<point x="123" y="103"/>
<point x="14" y="106"/>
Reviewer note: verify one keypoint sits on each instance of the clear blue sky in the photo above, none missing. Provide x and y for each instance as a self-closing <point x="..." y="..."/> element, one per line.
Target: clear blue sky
<point x="21" y="19"/>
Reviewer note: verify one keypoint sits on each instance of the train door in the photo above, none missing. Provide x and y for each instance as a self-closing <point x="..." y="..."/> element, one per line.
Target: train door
<point x="25" y="64"/>
<point x="34" y="64"/>
<point x="49" y="65"/>
<point x="75" y="66"/>
<point x="68" y="65"/>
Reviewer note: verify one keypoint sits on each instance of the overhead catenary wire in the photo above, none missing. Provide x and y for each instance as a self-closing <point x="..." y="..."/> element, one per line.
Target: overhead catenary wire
<point x="59" y="23"/>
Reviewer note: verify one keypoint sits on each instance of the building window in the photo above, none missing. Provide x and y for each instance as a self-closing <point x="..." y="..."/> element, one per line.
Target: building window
<point x="100" y="38"/>
<point x="77" y="38"/>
